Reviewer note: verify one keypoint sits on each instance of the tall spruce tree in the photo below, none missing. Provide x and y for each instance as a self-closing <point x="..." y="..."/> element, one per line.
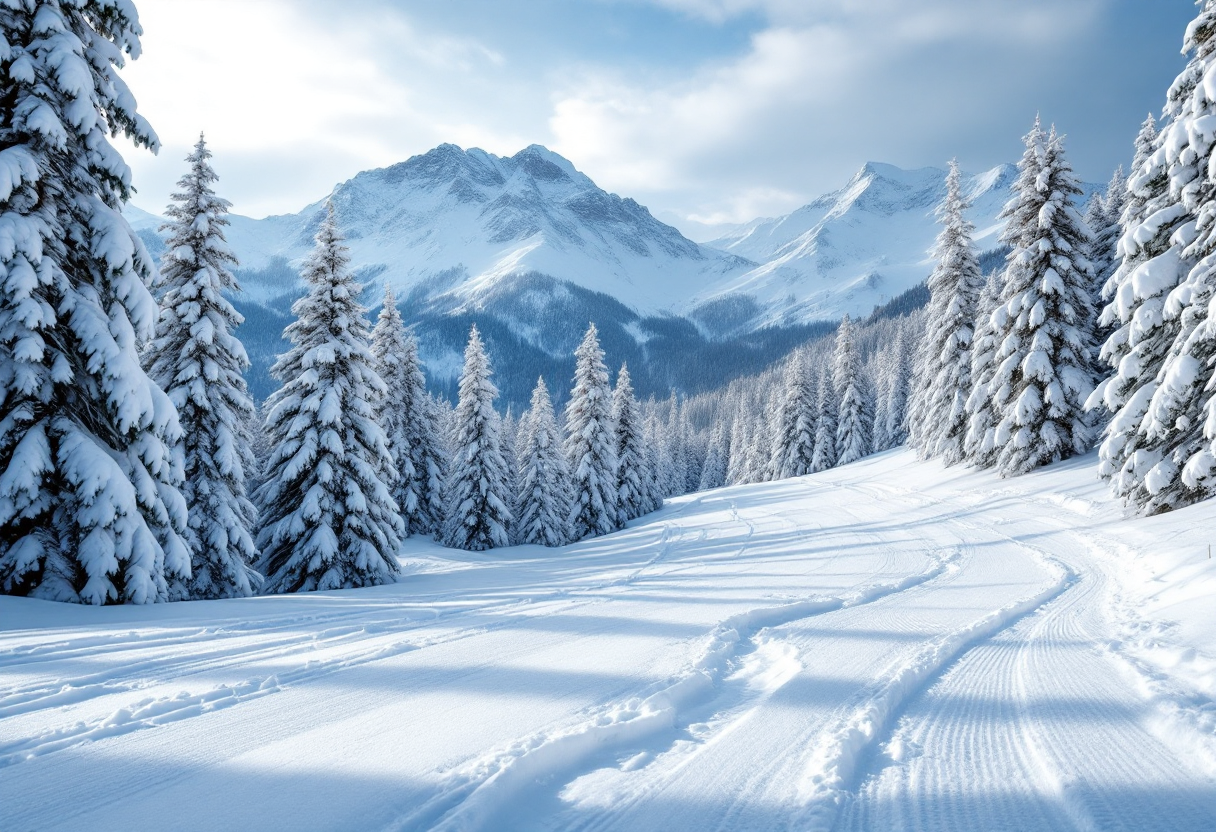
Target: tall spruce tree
<point x="825" y="426"/>
<point x="717" y="459"/>
<point x="407" y="418"/>
<point x="855" y="424"/>
<point x="544" y="477"/>
<point x="979" y="444"/>
<point x="673" y="461"/>
<point x="794" y="431"/>
<point x="694" y="452"/>
<point x="259" y="449"/>
<point x="590" y="443"/>
<point x="654" y="461"/>
<point x="509" y="437"/>
<point x="1178" y="433"/>
<point x="1104" y="217"/>
<point x="736" y="468"/>
<point x="896" y="414"/>
<point x="938" y="418"/>
<point x="90" y="507"/>
<point x="1044" y="325"/>
<point x="388" y="347"/>
<point x="329" y="519"/>
<point x="631" y="491"/>
<point x="983" y="414"/>
<point x="199" y="362"/>
<point x="477" y="490"/>
<point x="1138" y="200"/>
<point x="1154" y="260"/>
<point x="1137" y="334"/>
<point x="430" y="449"/>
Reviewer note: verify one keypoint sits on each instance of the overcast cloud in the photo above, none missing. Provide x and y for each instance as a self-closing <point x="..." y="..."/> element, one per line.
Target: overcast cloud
<point x="707" y="111"/>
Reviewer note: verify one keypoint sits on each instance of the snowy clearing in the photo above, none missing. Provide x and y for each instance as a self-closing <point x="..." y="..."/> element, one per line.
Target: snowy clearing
<point x="887" y="645"/>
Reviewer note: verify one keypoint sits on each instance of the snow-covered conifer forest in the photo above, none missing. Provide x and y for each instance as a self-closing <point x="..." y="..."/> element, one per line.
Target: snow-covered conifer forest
<point x="472" y="496"/>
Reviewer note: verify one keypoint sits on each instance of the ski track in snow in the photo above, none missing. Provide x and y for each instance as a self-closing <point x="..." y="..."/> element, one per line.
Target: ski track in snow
<point x="1050" y="661"/>
<point x="360" y="642"/>
<point x="496" y="781"/>
<point x="884" y="646"/>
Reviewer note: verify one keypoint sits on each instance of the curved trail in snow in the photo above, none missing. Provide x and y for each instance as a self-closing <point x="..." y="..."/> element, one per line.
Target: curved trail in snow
<point x="883" y="646"/>
<point x="1042" y="725"/>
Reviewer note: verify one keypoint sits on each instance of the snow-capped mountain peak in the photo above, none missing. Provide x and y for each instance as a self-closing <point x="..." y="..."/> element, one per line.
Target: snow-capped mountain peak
<point x="855" y="248"/>
<point x="477" y="218"/>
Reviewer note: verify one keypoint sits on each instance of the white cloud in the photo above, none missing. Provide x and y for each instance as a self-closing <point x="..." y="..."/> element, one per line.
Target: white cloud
<point x="823" y="87"/>
<point x="295" y="100"/>
<point x="297" y="95"/>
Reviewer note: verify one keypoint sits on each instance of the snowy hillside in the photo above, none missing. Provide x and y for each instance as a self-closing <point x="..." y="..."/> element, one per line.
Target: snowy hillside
<point x="888" y="645"/>
<point x="463" y="223"/>
<point x="858" y="247"/>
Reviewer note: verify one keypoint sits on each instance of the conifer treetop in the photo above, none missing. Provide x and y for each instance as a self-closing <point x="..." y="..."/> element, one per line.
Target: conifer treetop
<point x="477" y="490"/>
<point x="199" y="362"/>
<point x="330" y="520"/>
<point x="590" y="445"/>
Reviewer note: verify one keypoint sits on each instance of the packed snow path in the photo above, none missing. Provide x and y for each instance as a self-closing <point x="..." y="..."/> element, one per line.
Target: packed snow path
<point x="886" y="646"/>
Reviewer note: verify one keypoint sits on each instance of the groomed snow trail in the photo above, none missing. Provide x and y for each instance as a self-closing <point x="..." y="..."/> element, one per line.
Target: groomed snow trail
<point x="886" y="646"/>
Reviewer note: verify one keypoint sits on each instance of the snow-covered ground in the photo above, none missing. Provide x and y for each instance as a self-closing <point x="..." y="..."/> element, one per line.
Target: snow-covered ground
<point x="885" y="646"/>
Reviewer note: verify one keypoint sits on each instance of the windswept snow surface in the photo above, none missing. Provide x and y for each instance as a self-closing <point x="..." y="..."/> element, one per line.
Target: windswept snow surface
<point x="884" y="646"/>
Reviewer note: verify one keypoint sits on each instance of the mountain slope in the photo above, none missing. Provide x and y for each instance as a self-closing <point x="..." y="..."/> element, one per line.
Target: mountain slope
<point x="853" y="249"/>
<point x="464" y="223"/>
<point x="457" y="228"/>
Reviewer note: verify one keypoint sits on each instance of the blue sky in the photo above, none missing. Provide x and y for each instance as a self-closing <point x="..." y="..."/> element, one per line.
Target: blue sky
<point x="706" y="111"/>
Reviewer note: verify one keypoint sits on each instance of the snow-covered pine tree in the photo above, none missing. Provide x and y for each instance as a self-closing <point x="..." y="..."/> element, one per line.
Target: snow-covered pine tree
<point x="736" y="469"/>
<point x="794" y="431"/>
<point x="415" y="435"/>
<point x="760" y="444"/>
<point x="590" y="443"/>
<point x="1179" y="427"/>
<point x="429" y="448"/>
<point x="1044" y="325"/>
<point x="879" y="369"/>
<point x="1104" y="216"/>
<point x="694" y="452"/>
<point x="632" y="499"/>
<point x="199" y="362"/>
<point x="328" y="518"/>
<point x="1153" y="262"/>
<point x="896" y="413"/>
<point x="443" y="417"/>
<point x="674" y="461"/>
<point x="477" y="498"/>
<point x="717" y="456"/>
<point x="1146" y="190"/>
<point x="654" y="462"/>
<point x="979" y="444"/>
<point x="1135" y="202"/>
<point x="388" y="345"/>
<point x="855" y="425"/>
<point x="508" y="436"/>
<point x="544" y="477"/>
<point x="825" y="426"/>
<point x="938" y="419"/>
<point x="259" y="449"/>
<point x="90" y="509"/>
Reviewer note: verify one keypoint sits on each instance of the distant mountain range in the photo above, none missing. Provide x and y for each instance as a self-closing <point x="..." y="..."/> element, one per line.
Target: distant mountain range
<point x="853" y="249"/>
<point x="532" y="249"/>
